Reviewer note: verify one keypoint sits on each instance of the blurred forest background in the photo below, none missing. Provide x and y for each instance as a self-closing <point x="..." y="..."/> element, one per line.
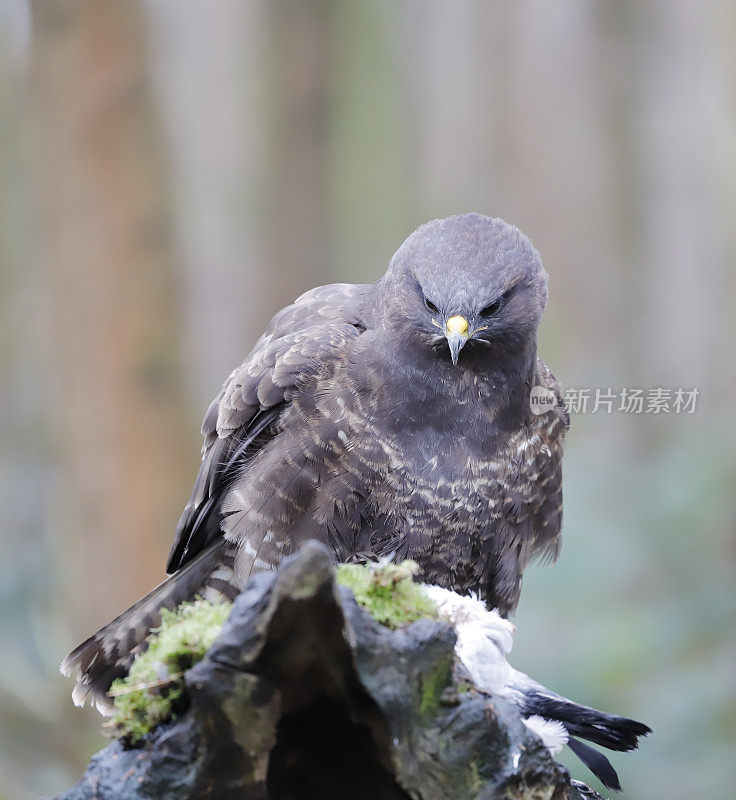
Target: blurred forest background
<point x="174" y="171"/>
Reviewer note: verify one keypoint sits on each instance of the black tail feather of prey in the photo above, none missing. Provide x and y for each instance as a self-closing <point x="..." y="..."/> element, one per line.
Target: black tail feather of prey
<point x="607" y="730"/>
<point x="597" y="763"/>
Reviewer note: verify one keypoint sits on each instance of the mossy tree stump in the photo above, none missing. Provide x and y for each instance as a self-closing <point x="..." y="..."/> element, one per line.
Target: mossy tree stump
<point x="304" y="694"/>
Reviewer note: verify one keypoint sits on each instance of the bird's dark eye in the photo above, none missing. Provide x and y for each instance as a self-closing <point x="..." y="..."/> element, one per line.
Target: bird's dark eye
<point x="490" y="309"/>
<point x="431" y="306"/>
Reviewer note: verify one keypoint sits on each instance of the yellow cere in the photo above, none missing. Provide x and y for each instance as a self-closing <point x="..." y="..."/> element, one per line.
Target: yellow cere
<point x="457" y="324"/>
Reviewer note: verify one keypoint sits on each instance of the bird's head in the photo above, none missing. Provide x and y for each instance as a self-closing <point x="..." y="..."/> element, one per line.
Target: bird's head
<point x="468" y="283"/>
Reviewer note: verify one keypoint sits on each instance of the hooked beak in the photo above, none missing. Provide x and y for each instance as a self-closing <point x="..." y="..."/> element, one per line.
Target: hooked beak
<point x="457" y="333"/>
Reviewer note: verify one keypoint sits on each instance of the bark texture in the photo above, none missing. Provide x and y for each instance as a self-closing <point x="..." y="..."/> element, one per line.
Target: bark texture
<point x="304" y="695"/>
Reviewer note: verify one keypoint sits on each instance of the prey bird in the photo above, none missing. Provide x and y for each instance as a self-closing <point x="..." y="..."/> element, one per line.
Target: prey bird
<point x="484" y="639"/>
<point x="390" y="419"/>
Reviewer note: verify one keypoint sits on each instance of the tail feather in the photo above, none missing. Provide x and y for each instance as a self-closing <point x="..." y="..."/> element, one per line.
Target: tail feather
<point x="108" y="654"/>
<point x="607" y="730"/>
<point x="597" y="763"/>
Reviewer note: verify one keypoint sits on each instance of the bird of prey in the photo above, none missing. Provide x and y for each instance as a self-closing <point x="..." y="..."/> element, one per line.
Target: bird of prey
<point x="484" y="639"/>
<point x="386" y="419"/>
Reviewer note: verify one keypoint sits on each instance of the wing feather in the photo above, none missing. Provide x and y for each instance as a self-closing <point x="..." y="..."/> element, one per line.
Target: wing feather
<point x="317" y="327"/>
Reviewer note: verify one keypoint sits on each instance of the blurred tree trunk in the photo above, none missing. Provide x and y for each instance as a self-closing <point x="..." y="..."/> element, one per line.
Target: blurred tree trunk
<point x="370" y="141"/>
<point x="208" y="60"/>
<point x="245" y="94"/>
<point x="688" y="172"/>
<point x="113" y="393"/>
<point x="297" y="198"/>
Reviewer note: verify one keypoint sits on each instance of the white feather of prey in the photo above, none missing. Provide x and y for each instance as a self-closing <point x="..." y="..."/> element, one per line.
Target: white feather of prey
<point x="552" y="733"/>
<point x="484" y="639"/>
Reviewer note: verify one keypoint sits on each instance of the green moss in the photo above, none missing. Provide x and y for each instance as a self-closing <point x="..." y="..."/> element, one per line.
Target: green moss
<point x="153" y="691"/>
<point x="387" y="591"/>
<point x="433" y="683"/>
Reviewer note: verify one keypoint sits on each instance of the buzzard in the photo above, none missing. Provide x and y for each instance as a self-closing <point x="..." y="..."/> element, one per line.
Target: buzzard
<point x="388" y="420"/>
